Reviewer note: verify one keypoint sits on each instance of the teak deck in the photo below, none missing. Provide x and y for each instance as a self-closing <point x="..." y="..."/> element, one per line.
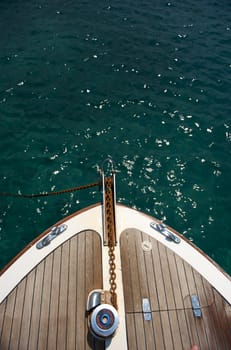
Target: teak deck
<point x="168" y="282"/>
<point x="47" y="308"/>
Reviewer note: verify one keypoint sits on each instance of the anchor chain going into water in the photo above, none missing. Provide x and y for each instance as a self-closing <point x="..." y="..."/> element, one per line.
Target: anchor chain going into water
<point x="54" y="193"/>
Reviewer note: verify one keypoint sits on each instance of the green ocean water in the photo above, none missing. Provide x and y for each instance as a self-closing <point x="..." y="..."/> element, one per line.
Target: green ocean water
<point x="147" y="82"/>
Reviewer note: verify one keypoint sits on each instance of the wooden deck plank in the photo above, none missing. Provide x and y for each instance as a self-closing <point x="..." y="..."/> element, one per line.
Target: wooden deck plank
<point x="213" y="342"/>
<point x="190" y="283"/>
<point x="152" y="283"/>
<point x="133" y="263"/>
<point x="45" y="304"/>
<point x="141" y="269"/>
<point x="131" y="334"/>
<point x="7" y="309"/>
<point x="201" y="331"/>
<point x="27" y="312"/>
<point x="89" y="266"/>
<point x="174" y="275"/>
<point x="54" y="300"/>
<point x="89" y="276"/>
<point x="81" y="268"/>
<point x="18" y="310"/>
<point x="36" y="306"/>
<point x="159" y="278"/>
<point x="47" y="309"/>
<point x="183" y="282"/>
<point x="175" y="329"/>
<point x="97" y="253"/>
<point x="184" y="329"/>
<point x="166" y="277"/>
<point x="96" y="279"/>
<point x="139" y="331"/>
<point x="204" y="300"/>
<point x="89" y="279"/>
<point x="125" y="252"/>
<point x="63" y="294"/>
<point x="157" y="331"/>
<point x="167" y="332"/>
<point x="72" y="300"/>
<point x="149" y="334"/>
<point x="194" y="337"/>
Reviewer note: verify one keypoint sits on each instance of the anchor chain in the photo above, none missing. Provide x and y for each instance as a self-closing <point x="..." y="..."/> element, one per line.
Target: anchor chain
<point x="54" y="193"/>
<point x="110" y="231"/>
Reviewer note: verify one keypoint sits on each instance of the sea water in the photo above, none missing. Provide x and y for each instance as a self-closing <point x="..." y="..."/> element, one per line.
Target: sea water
<point x="147" y="82"/>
